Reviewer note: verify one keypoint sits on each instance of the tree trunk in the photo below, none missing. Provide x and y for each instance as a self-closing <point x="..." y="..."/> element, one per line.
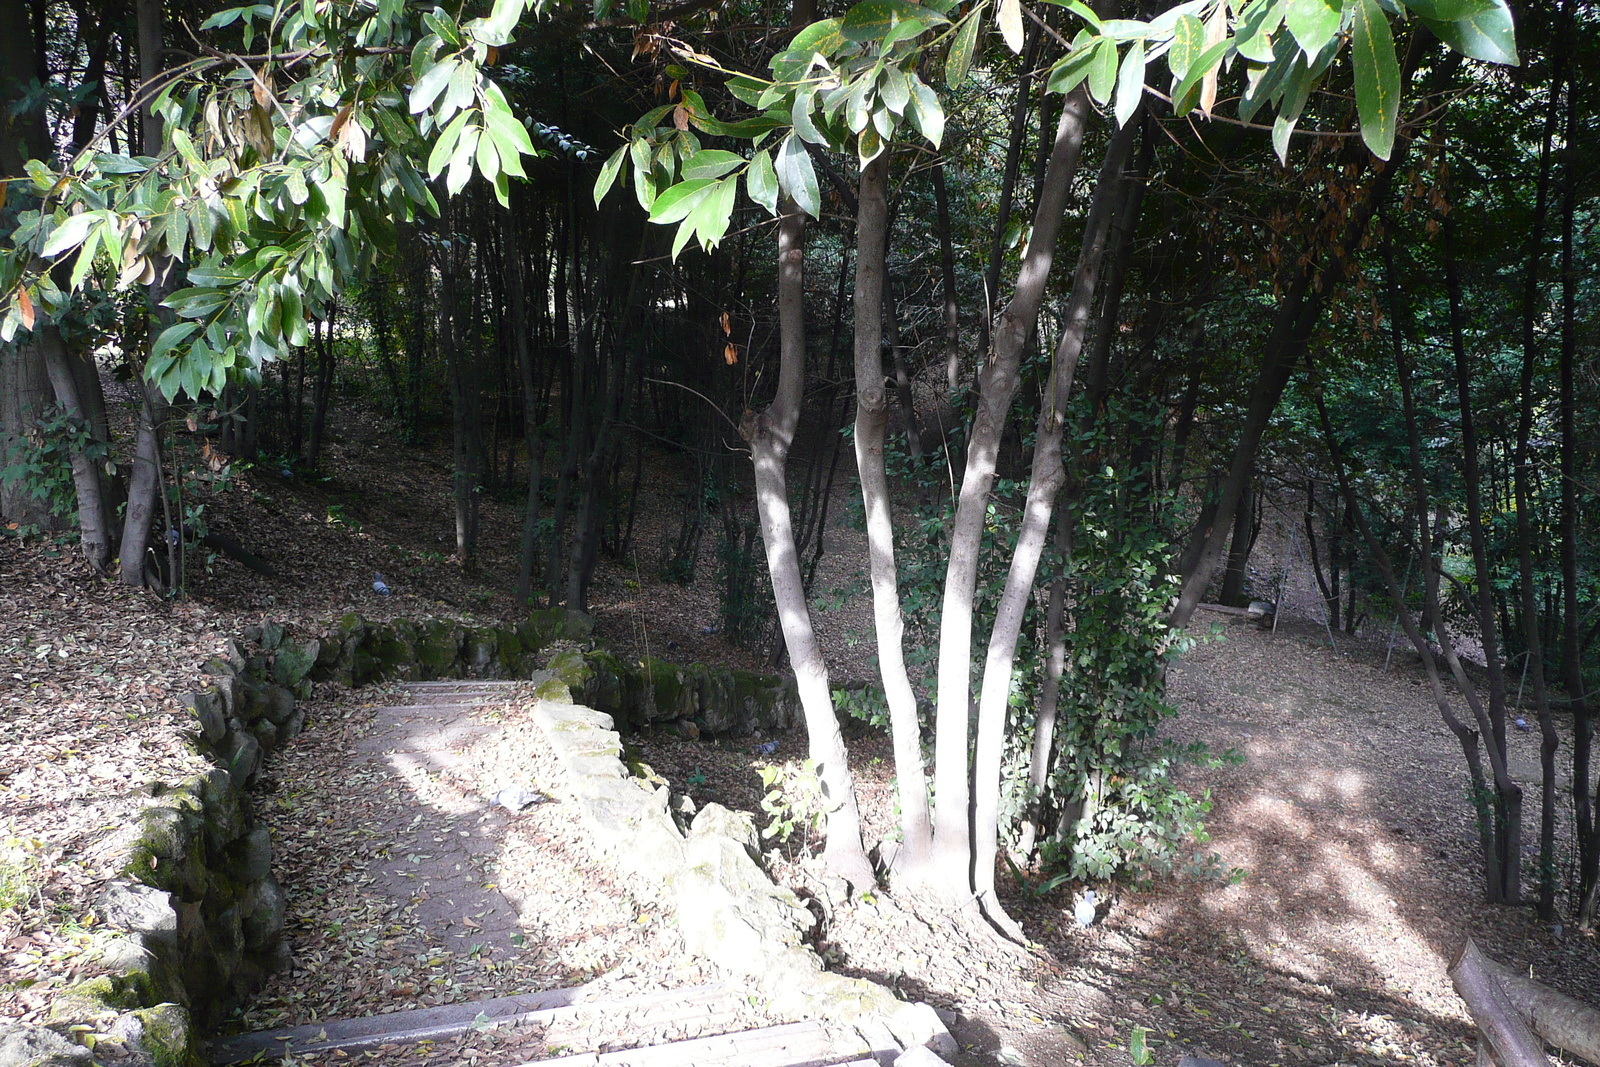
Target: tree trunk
<point x="1571" y="644"/>
<point x="24" y="394"/>
<point x="1507" y="885"/>
<point x="872" y="418"/>
<point x="770" y="434"/>
<point x="998" y="382"/>
<point x="1239" y="544"/>
<point x="1045" y="482"/>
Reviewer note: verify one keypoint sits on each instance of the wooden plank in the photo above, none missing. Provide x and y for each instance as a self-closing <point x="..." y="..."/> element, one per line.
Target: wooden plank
<point x="802" y="1044"/>
<point x="402" y="1026"/>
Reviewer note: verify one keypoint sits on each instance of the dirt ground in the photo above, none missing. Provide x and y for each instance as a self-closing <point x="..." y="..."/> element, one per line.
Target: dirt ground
<point x="1348" y="815"/>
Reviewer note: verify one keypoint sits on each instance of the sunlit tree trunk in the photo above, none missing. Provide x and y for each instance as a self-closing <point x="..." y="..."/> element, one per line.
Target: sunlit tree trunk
<point x="1045" y="482"/>
<point x="872" y="419"/>
<point x="998" y="383"/>
<point x="770" y="434"/>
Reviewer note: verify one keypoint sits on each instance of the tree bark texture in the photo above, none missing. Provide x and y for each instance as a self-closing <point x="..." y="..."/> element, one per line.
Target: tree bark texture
<point x="770" y="435"/>
<point x="1045" y="482"/>
<point x="998" y="382"/>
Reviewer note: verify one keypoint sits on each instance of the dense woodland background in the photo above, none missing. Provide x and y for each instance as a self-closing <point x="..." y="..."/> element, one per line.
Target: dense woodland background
<point x="1402" y="350"/>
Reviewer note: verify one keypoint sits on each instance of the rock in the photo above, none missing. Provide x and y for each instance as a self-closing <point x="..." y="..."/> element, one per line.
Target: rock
<point x="243" y="759"/>
<point x="140" y="909"/>
<point x="250" y="857"/>
<point x="209" y="710"/>
<point x="739" y="826"/>
<point x="510" y="659"/>
<point x="1189" y="1059"/>
<point x="920" y="1056"/>
<point x="35" y="1046"/>
<point x="263" y="917"/>
<point x="266" y="734"/>
<point x="481" y="652"/>
<point x="218" y="667"/>
<point x="277" y="704"/>
<point x="271" y="635"/>
<point x="393" y="650"/>
<point x="291" y="729"/>
<point x="294" y="661"/>
<point x="919" y="1025"/>
<point x="439" y="649"/>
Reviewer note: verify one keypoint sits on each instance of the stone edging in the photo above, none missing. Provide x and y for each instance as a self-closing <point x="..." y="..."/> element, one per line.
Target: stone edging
<point x="728" y="909"/>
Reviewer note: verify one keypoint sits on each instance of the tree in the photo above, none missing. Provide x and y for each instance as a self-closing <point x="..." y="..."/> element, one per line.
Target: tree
<point x="850" y="85"/>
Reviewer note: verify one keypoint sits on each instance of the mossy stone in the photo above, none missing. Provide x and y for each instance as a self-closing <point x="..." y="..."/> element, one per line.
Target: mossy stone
<point x="439" y="649"/>
<point x="481" y="652"/>
<point x="271" y="635"/>
<point x="294" y="661"/>
<point x="168" y="1037"/>
<point x="664" y="691"/>
<point x="86" y="1003"/>
<point x="393" y="652"/>
<point x="510" y="653"/>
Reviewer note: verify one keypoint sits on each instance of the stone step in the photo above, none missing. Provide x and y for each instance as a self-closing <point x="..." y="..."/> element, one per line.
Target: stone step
<point x="561" y="1010"/>
<point x="488" y="685"/>
<point x="802" y="1044"/>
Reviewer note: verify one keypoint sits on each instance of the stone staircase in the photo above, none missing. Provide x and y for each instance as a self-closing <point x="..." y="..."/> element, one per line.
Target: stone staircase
<point x="701" y="1023"/>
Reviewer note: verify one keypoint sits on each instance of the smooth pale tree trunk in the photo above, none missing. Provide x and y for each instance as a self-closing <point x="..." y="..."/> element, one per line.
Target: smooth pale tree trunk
<point x="997" y="382"/>
<point x="770" y="434"/>
<point x="1049" y="710"/>
<point x="872" y="420"/>
<point x="1044" y="484"/>
<point x="93" y="523"/>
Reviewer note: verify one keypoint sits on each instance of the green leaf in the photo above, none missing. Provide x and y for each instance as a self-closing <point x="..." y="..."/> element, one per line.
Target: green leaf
<point x="1188" y="41"/>
<point x="608" y="174"/>
<point x="1449" y="10"/>
<point x="172" y="337"/>
<point x="1103" y="71"/>
<point x="461" y="162"/>
<point x="904" y="30"/>
<point x="445" y="147"/>
<point x="1266" y="83"/>
<point x="959" y="61"/>
<point x="746" y="88"/>
<point x="798" y="177"/>
<point x="711" y="163"/>
<point x="1008" y="16"/>
<point x="1313" y="23"/>
<point x="674" y="204"/>
<point x="800" y="115"/>
<point x="1130" y="83"/>
<point x="762" y="182"/>
<point x="824" y="37"/>
<point x="715" y="212"/>
<point x="871" y="20"/>
<point x="1377" y="76"/>
<point x="1073" y="67"/>
<point x="1197" y="71"/>
<point x="1077" y="7"/>
<point x="430" y="84"/>
<point x="894" y="89"/>
<point x="68" y="235"/>
<point x="1256" y="28"/>
<point x="927" y="113"/>
<point x="1488" y="36"/>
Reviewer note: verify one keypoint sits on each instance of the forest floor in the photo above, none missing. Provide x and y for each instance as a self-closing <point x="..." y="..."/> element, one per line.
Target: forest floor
<point x="1347" y="817"/>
